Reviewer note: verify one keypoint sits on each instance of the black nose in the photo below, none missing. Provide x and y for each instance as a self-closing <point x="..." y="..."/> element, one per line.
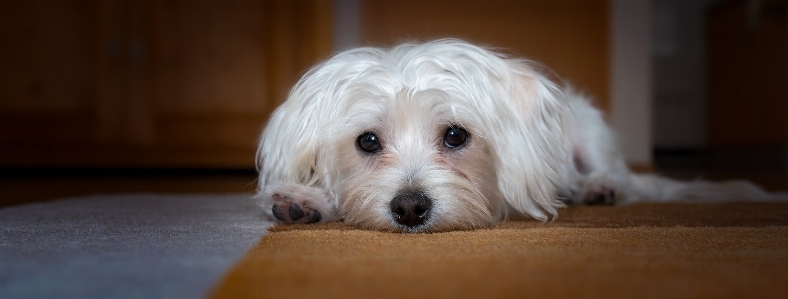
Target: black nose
<point x="411" y="209"/>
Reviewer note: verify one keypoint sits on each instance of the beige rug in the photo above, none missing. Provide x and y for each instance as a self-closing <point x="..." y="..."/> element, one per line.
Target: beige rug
<point x="641" y="251"/>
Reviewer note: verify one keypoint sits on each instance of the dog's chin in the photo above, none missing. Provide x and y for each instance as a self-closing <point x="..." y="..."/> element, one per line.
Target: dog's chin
<point x="427" y="227"/>
<point x="440" y="220"/>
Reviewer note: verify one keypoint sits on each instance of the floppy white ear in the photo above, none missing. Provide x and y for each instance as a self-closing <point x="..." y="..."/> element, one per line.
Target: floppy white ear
<point x="287" y="152"/>
<point x="533" y="150"/>
<point x="295" y="147"/>
<point x="292" y="142"/>
<point x="524" y="118"/>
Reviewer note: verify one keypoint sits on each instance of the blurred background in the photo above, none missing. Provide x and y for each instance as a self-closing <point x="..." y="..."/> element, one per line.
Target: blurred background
<point x="171" y="96"/>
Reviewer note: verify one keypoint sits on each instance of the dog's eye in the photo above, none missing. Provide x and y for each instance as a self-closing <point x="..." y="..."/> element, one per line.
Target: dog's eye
<point x="368" y="142"/>
<point x="455" y="137"/>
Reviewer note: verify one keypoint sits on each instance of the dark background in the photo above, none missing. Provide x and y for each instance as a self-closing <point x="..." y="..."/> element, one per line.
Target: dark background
<point x="171" y="96"/>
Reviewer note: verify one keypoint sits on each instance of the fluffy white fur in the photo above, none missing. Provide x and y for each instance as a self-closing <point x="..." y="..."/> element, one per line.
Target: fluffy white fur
<point x="532" y="146"/>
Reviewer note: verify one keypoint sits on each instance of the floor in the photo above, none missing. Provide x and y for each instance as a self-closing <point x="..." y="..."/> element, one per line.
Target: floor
<point x="125" y="246"/>
<point x="658" y="250"/>
<point x="149" y="233"/>
<point x="21" y="186"/>
<point x="92" y="233"/>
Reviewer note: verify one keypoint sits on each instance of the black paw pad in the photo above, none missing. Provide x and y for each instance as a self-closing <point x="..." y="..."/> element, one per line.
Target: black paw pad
<point x="598" y="199"/>
<point x="278" y="213"/>
<point x="313" y="217"/>
<point x="602" y="196"/>
<point x="295" y="212"/>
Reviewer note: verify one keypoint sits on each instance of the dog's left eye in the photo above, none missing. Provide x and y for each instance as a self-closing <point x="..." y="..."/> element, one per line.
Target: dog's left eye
<point x="368" y="142"/>
<point x="455" y="137"/>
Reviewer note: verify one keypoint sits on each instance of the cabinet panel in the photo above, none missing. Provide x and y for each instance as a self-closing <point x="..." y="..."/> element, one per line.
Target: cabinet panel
<point x="748" y="74"/>
<point x="209" y="56"/>
<point x="47" y="57"/>
<point x="149" y="83"/>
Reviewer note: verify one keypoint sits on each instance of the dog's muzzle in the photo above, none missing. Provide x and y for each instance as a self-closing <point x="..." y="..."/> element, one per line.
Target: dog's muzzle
<point x="411" y="209"/>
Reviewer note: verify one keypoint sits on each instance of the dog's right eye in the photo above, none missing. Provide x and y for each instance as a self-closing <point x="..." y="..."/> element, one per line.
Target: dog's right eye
<point x="455" y="137"/>
<point x="368" y="142"/>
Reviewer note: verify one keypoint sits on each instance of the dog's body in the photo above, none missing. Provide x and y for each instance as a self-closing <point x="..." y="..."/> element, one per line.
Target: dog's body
<point x="445" y="135"/>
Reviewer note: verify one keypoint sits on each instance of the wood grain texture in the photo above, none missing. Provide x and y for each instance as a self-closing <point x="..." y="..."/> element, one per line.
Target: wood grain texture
<point x="149" y="83"/>
<point x="747" y="75"/>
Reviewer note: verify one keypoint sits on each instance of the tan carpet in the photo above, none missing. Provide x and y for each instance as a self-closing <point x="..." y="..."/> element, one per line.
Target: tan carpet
<point x="639" y="251"/>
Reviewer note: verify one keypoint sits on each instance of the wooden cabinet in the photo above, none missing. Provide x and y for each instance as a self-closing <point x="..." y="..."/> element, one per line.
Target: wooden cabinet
<point x="191" y="83"/>
<point x="748" y="75"/>
<point x="148" y="83"/>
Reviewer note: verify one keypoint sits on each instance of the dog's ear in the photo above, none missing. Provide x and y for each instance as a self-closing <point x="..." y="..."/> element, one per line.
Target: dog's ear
<point x="531" y="143"/>
<point x="296" y="146"/>
<point x="293" y="140"/>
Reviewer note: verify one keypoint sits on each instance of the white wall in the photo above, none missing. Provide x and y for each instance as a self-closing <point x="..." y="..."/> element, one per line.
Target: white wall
<point x="679" y="59"/>
<point x="347" y="24"/>
<point x="630" y="81"/>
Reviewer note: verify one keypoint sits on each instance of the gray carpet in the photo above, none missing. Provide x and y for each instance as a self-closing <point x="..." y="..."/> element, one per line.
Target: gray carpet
<point x="133" y="246"/>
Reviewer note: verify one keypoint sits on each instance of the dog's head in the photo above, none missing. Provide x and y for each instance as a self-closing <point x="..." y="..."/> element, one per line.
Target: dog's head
<point x="423" y="137"/>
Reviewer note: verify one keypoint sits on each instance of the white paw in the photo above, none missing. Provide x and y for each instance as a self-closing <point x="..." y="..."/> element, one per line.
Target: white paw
<point x="599" y="195"/>
<point x="291" y="204"/>
<point x="288" y="211"/>
<point x="600" y="190"/>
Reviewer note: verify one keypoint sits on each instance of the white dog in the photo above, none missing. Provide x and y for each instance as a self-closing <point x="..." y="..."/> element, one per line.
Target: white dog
<point x="445" y="135"/>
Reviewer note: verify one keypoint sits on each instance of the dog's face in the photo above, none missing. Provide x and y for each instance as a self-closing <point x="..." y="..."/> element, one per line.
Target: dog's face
<point x="415" y="161"/>
<point x="422" y="138"/>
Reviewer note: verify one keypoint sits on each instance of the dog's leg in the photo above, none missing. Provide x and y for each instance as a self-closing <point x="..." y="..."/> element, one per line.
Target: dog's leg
<point x="600" y="189"/>
<point x="294" y="203"/>
<point x="602" y="176"/>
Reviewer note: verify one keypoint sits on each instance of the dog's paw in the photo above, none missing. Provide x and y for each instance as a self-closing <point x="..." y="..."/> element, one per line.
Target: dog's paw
<point x="600" y="195"/>
<point x="294" y="203"/>
<point x="289" y="211"/>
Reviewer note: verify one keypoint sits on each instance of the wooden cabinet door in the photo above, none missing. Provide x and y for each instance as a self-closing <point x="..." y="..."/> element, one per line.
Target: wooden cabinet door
<point x="47" y="75"/>
<point x="747" y="75"/>
<point x="148" y="83"/>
